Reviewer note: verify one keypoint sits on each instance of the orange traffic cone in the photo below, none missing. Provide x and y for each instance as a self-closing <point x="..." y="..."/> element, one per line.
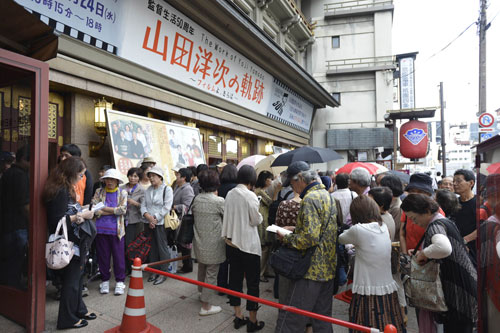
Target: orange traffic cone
<point x="345" y="296"/>
<point x="134" y="315"/>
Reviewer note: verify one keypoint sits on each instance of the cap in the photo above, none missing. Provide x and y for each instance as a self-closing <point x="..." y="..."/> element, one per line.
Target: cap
<point x="114" y="174"/>
<point x="177" y="167"/>
<point x="149" y="159"/>
<point x="420" y="181"/>
<point x="221" y="164"/>
<point x="293" y="169"/>
<point x="156" y="170"/>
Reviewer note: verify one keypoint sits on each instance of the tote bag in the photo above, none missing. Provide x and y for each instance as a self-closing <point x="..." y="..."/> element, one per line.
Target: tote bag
<point x="59" y="250"/>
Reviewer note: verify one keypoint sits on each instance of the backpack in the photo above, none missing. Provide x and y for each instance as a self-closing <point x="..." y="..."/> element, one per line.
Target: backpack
<point x="273" y="207"/>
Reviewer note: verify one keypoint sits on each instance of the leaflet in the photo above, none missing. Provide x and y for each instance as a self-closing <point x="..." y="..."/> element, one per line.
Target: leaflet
<point x="274" y="228"/>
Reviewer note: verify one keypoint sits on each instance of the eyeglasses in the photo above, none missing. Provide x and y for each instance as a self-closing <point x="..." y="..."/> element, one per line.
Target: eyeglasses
<point x="458" y="181"/>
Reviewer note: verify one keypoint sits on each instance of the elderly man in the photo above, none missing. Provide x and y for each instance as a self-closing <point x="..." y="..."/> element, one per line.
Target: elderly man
<point x="360" y="180"/>
<point x="447" y="184"/>
<point x="316" y="228"/>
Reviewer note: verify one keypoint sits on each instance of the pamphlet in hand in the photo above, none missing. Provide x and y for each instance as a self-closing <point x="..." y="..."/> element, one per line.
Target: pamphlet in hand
<point x="274" y="228"/>
<point x="94" y="208"/>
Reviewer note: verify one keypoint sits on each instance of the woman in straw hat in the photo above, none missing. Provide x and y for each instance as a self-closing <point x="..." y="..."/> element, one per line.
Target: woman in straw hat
<point x="110" y="224"/>
<point x="157" y="203"/>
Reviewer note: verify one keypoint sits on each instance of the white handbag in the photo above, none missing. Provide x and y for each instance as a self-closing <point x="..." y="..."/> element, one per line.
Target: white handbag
<point x="59" y="250"/>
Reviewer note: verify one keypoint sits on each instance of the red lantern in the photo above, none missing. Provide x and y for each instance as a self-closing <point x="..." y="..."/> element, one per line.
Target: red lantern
<point x="414" y="139"/>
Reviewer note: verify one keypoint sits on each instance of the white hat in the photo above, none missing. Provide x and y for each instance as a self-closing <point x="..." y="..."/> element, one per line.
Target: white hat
<point x="156" y="170"/>
<point x="114" y="174"/>
<point x="177" y="167"/>
<point x="221" y="164"/>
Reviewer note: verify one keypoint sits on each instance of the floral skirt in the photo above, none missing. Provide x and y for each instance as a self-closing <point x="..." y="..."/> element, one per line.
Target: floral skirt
<point x="376" y="311"/>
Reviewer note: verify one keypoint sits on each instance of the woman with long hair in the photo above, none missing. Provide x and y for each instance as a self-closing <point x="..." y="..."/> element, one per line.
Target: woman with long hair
<point x="60" y="199"/>
<point x="374" y="300"/>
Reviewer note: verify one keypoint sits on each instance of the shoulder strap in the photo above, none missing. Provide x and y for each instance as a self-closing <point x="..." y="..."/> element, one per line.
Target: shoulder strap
<point x="287" y="194"/>
<point x="328" y="221"/>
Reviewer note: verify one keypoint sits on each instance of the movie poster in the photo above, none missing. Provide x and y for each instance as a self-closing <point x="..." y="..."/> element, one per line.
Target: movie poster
<point x="134" y="138"/>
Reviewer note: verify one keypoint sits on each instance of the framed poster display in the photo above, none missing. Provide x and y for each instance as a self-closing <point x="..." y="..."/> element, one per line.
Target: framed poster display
<point x="134" y="138"/>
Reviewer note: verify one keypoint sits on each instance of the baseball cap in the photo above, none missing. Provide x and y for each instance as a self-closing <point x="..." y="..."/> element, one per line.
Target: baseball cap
<point x="293" y="169"/>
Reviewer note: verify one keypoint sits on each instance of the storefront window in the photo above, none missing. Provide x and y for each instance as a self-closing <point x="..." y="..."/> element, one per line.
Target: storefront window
<point x="214" y="145"/>
<point x="231" y="149"/>
<point x="245" y="150"/>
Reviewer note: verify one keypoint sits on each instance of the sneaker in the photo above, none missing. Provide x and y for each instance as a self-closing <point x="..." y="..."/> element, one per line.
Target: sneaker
<point x="213" y="310"/>
<point x="85" y="292"/>
<point x="120" y="288"/>
<point x="254" y="327"/>
<point x="104" y="287"/>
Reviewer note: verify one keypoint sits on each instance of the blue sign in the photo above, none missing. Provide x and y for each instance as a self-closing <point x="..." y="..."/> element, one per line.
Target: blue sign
<point x="486" y="136"/>
<point x="415" y="135"/>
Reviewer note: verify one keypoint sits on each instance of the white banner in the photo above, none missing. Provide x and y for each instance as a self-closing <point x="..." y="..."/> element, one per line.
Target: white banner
<point x="99" y="19"/>
<point x="155" y="35"/>
<point x="407" y="83"/>
<point x="159" y="37"/>
<point x="288" y="107"/>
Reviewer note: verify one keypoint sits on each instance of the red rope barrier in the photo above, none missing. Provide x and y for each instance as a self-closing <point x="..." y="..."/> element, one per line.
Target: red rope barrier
<point x="270" y="303"/>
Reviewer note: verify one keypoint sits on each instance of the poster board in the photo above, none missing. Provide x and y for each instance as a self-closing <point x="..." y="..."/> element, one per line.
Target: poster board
<point x="134" y="137"/>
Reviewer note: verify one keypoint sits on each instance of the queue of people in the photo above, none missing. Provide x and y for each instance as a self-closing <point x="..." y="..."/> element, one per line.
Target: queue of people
<point x="348" y="222"/>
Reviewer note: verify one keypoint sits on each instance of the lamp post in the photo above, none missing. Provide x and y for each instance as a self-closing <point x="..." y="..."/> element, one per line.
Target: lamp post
<point x="100" y="108"/>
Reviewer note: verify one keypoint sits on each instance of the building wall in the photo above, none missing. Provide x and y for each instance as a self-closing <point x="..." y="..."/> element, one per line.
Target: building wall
<point x="365" y="96"/>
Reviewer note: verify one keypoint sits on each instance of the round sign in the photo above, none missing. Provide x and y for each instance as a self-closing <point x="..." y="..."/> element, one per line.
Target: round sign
<point x="486" y="120"/>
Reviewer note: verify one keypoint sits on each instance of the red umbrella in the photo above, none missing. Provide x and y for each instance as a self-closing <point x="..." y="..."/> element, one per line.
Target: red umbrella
<point x="493" y="168"/>
<point x="372" y="169"/>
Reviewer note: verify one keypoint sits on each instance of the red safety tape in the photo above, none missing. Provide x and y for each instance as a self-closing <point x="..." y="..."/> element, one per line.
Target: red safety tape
<point x="265" y="302"/>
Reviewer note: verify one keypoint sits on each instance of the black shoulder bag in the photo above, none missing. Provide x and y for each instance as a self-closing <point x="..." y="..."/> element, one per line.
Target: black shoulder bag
<point x="290" y="262"/>
<point x="185" y="232"/>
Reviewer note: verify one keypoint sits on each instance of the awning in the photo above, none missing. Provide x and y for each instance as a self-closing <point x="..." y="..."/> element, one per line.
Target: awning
<point x="24" y="33"/>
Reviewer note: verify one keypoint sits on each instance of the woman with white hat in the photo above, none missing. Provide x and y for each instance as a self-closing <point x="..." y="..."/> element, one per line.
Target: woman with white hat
<point x="110" y="224"/>
<point x="157" y="203"/>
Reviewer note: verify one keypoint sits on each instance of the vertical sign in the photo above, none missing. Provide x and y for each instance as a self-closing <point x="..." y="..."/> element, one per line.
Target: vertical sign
<point x="407" y="83"/>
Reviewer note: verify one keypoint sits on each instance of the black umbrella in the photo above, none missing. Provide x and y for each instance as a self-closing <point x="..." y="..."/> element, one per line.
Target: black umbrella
<point x="306" y="154"/>
<point x="404" y="177"/>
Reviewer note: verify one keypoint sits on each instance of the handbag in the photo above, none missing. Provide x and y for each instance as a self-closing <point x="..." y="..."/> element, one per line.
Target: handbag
<point x="292" y="263"/>
<point x="171" y="220"/>
<point x="59" y="250"/>
<point x="139" y="248"/>
<point x="423" y="287"/>
<point x="185" y="233"/>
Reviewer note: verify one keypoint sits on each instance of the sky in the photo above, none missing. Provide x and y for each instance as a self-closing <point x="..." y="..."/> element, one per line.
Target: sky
<point x="427" y="26"/>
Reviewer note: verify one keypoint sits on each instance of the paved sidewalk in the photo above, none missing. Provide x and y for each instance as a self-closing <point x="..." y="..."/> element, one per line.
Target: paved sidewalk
<point x="173" y="307"/>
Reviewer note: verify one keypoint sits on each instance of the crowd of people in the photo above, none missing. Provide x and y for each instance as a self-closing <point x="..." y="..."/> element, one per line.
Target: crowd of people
<point x="354" y="226"/>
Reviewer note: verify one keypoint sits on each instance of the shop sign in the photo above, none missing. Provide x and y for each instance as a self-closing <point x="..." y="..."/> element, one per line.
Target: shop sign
<point x="290" y="108"/>
<point x="155" y="35"/>
<point x="99" y="19"/>
<point x="134" y="137"/>
<point x="407" y="82"/>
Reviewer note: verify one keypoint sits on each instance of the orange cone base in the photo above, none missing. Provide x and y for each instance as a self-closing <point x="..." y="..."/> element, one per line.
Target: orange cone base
<point x="149" y="329"/>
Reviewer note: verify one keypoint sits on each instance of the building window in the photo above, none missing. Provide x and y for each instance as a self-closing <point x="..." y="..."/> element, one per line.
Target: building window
<point x="335" y="42"/>
<point x="336" y="96"/>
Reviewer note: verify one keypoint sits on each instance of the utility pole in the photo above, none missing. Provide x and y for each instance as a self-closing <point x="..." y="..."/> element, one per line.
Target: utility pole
<point x="482" y="59"/>
<point x="443" y="139"/>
